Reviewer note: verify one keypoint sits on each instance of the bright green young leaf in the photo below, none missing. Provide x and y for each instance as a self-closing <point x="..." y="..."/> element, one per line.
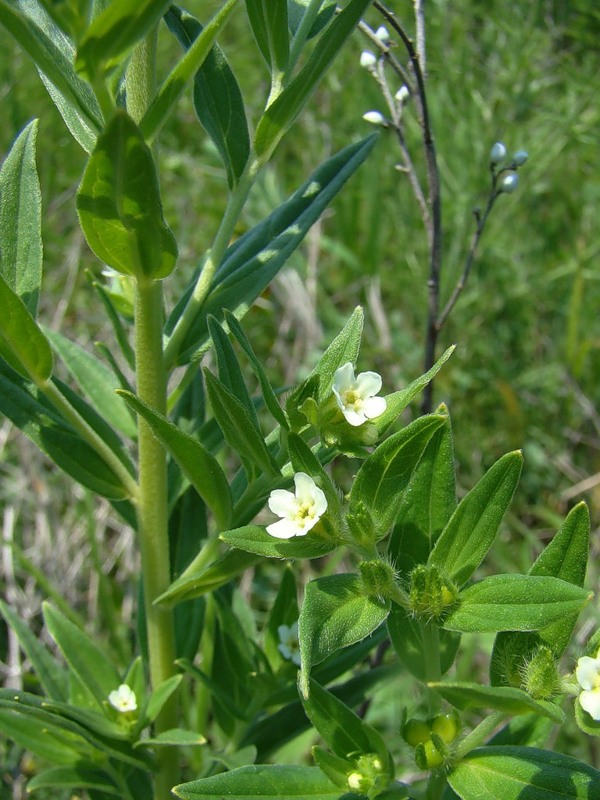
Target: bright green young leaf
<point x="75" y="777"/>
<point x="119" y="204"/>
<point x="254" y="539"/>
<point x="174" y="737"/>
<point x="469" y="534"/>
<point x="198" y="45"/>
<point x="428" y="503"/>
<point x="335" y="613"/>
<point x="280" y="115"/>
<point x="409" y="641"/>
<point x="71" y="16"/>
<point x="54" y="746"/>
<point x="21" y="220"/>
<point x="22" y="344"/>
<point x="500" y="698"/>
<point x="97" y="382"/>
<point x="257" y="256"/>
<point x="319" y="14"/>
<point x="160" y="695"/>
<point x="269" y="22"/>
<point x="198" y="465"/>
<point x="337" y="769"/>
<point x="114" y="33"/>
<point x="217" y="98"/>
<point x="82" y="654"/>
<point x="52" y="56"/>
<point x="228" y="367"/>
<point x="515" y="603"/>
<point x="516" y="773"/>
<point x="263" y="780"/>
<point x="385" y="474"/>
<point x="343" y="348"/>
<point x="238" y="427"/>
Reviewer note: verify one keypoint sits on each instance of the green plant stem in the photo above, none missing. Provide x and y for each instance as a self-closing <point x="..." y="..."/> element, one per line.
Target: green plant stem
<point x="480" y="734"/>
<point x="431" y="650"/>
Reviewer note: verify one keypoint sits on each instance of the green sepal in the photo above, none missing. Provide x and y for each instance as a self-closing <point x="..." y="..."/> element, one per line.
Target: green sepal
<point x="22" y="344"/>
<point x="280" y="782"/>
<point x="407" y="635"/>
<point x="79" y="776"/>
<point x="517" y="772"/>
<point x="21" y="219"/>
<point x="335" y="614"/>
<point x="471" y="530"/>
<point x="119" y="204"/>
<point x="507" y="699"/>
<point x="199" y="466"/>
<point x="515" y="603"/>
<point x="585" y="721"/>
<point x="333" y="766"/>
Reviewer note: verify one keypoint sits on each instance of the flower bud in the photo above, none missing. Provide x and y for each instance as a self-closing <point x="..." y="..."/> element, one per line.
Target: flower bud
<point x="382" y="34"/>
<point x="520" y="157"/>
<point x="378" y="579"/>
<point x="446" y="726"/>
<point x="509" y="183"/>
<point x="367" y="59"/>
<point x="497" y="153"/>
<point x="402" y="94"/>
<point x="375" y="118"/>
<point x="416" y="732"/>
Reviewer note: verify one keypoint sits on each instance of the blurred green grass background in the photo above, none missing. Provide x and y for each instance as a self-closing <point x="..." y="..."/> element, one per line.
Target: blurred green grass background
<point x="526" y="373"/>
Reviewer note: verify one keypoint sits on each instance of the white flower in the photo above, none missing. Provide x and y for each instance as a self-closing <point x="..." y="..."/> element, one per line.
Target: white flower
<point x="289" y="646"/>
<point x="402" y="94"/>
<point x="498" y="153"/>
<point x="509" y="183"/>
<point x="123" y="698"/>
<point x="382" y="34"/>
<point x="367" y="59"/>
<point x="375" y="118"/>
<point x="356" y="395"/>
<point x="520" y="157"/>
<point x="588" y="677"/>
<point x="299" y="511"/>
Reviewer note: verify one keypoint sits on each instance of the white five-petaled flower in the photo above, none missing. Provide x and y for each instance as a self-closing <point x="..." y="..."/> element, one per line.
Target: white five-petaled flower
<point x="289" y="646"/>
<point x="299" y="511"/>
<point x="588" y="677"/>
<point x="356" y="395"/>
<point x="123" y="699"/>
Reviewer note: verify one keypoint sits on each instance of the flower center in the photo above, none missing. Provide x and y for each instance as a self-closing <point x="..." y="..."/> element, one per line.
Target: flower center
<point x="353" y="398"/>
<point x="305" y="512"/>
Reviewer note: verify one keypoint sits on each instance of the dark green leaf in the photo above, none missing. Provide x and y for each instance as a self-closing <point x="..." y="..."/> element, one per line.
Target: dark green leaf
<point x="22" y="344"/>
<point x="408" y="639"/>
<point x="263" y="780"/>
<point x="298" y="9"/>
<point x="52" y="745"/>
<point x="501" y="698"/>
<point x="21" y="220"/>
<point x="269" y="22"/>
<point x="469" y="534"/>
<point x="75" y="777"/>
<point x="228" y="367"/>
<point x="119" y="204"/>
<point x="284" y="611"/>
<point x="343" y="348"/>
<point x="254" y="539"/>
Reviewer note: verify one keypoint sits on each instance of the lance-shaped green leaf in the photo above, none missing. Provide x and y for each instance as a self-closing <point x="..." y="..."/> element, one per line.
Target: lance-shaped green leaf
<point x="174" y="737"/>
<point x="341" y="729"/>
<point x="119" y="204"/>
<point x="515" y="603"/>
<point x="336" y="612"/>
<point x="501" y="698"/>
<point x="22" y="343"/>
<point x="51" y="52"/>
<point x="515" y="773"/>
<point x="199" y="466"/>
<point x="269" y="22"/>
<point x="52" y="745"/>
<point x="428" y="503"/>
<point x="82" y="654"/>
<point x="238" y="427"/>
<point x="228" y="368"/>
<point x="80" y="776"/>
<point x="256" y="257"/>
<point x="469" y="534"/>
<point x="114" y="33"/>
<point x="262" y="780"/>
<point x="410" y="643"/>
<point x="385" y="474"/>
<point x="97" y="382"/>
<point x="343" y="348"/>
<point x="280" y="115"/>
<point x="284" y="611"/>
<point x="216" y="77"/>
<point x="320" y="14"/>
<point x="254" y="539"/>
<point x="21" y="220"/>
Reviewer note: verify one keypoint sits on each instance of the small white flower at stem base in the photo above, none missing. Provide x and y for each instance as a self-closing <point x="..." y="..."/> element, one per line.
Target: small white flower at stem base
<point x="375" y="118"/>
<point x="367" y="59"/>
<point x="123" y="699"/>
<point x="289" y="646"/>
<point x="588" y="677"/>
<point x="299" y="511"/>
<point x="382" y="34"/>
<point x="355" y="396"/>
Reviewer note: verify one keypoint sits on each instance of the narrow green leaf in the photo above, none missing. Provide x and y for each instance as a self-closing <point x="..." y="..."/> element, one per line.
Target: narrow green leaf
<point x="284" y="611"/>
<point x="75" y="777"/>
<point x="262" y="780"/>
<point x="238" y="427"/>
<point x="217" y="98"/>
<point x="408" y="638"/>
<point x="174" y="737"/>
<point x="97" y="382"/>
<point x="280" y="115"/>
<point x="385" y="474"/>
<point x="160" y="695"/>
<point x="21" y="220"/>
<point x="513" y="773"/>
<point x="76" y="121"/>
<point x="52" y="677"/>
<point x="254" y="539"/>
<point x="335" y="613"/>
<point x="199" y="47"/>
<point x="269" y="22"/>
<point x="428" y="503"/>
<point x="82" y="654"/>
<point x="119" y="204"/>
<point x="53" y="745"/>
<point x="256" y="257"/>
<point x="297" y="10"/>
<point x="22" y="344"/>
<point x="114" y="33"/>
<point x="515" y="603"/>
<point x="228" y="367"/>
<point x="469" y="534"/>
<point x="198" y="465"/>
<point x="500" y="698"/>
<point x="343" y="348"/>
